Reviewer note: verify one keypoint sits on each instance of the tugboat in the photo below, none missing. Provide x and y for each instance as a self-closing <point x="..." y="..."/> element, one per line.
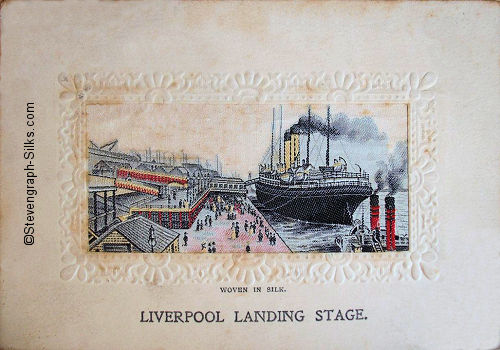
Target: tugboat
<point x="322" y="194"/>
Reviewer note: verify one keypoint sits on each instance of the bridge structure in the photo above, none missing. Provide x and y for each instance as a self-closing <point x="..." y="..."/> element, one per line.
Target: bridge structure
<point x="147" y="181"/>
<point x="251" y="182"/>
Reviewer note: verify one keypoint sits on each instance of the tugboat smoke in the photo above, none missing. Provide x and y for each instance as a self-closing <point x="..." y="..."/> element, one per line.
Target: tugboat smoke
<point x="394" y="173"/>
<point x="380" y="176"/>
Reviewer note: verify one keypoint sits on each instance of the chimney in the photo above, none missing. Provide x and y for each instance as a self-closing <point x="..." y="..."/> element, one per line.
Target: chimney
<point x="374" y="213"/>
<point x="390" y="223"/>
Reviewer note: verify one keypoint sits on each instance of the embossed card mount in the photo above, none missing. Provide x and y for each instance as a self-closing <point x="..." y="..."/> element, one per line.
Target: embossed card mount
<point x="128" y="209"/>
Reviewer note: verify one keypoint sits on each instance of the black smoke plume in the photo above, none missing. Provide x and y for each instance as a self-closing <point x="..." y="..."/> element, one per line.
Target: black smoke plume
<point x="380" y="176"/>
<point x="361" y="129"/>
<point x="395" y="172"/>
<point x="398" y="167"/>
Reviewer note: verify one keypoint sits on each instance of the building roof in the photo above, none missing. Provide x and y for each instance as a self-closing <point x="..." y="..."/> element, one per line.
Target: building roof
<point x="109" y="146"/>
<point x="192" y="165"/>
<point x="153" y="167"/>
<point x="178" y="170"/>
<point x="193" y="169"/>
<point x="136" y="231"/>
<point x="102" y="164"/>
<point x="161" y="169"/>
<point x="111" y="154"/>
<point x="144" y="166"/>
<point x="212" y="172"/>
<point x="227" y="179"/>
<point x="112" y="164"/>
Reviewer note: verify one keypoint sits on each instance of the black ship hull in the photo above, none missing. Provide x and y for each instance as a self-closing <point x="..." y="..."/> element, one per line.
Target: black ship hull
<point x="332" y="205"/>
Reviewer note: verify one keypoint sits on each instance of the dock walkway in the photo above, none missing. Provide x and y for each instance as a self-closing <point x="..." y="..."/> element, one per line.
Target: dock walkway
<point x="221" y="233"/>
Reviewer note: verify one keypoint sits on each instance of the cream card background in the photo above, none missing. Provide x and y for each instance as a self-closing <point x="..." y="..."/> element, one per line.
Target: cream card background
<point x="455" y="41"/>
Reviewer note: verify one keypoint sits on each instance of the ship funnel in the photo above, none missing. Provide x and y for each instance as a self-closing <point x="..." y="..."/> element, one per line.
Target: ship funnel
<point x="287" y="145"/>
<point x="291" y="145"/>
<point x="374" y="213"/>
<point x="390" y="223"/>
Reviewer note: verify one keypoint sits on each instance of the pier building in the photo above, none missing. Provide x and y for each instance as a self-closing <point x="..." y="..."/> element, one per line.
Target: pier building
<point x="136" y="235"/>
<point x="133" y="192"/>
<point x="192" y="196"/>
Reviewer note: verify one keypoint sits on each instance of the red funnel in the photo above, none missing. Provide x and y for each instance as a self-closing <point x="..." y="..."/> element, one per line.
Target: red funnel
<point x="390" y="223"/>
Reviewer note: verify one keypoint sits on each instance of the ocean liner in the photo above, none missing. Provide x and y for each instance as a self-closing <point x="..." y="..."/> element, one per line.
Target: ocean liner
<point x="300" y="190"/>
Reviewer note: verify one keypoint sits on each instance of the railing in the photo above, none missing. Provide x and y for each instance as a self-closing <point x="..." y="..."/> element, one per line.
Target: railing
<point x="315" y="183"/>
<point x="141" y="202"/>
<point x="159" y="207"/>
<point x="347" y="174"/>
<point x="183" y="218"/>
<point x="171" y="207"/>
<point x="332" y="173"/>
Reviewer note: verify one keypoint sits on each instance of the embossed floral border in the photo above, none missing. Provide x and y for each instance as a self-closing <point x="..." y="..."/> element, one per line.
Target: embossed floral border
<point x="416" y="90"/>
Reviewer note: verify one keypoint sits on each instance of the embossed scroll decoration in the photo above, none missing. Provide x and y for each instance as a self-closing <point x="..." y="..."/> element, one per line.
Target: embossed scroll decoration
<point x="415" y="90"/>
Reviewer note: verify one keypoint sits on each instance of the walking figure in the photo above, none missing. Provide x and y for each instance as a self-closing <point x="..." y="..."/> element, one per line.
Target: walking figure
<point x="233" y="231"/>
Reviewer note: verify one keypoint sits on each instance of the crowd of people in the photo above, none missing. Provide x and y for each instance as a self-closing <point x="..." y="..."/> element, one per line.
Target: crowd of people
<point x="211" y="247"/>
<point x="204" y="222"/>
<point x="233" y="207"/>
<point x="256" y="226"/>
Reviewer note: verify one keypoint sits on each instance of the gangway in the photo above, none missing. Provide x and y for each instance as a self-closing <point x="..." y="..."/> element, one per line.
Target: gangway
<point x="251" y="182"/>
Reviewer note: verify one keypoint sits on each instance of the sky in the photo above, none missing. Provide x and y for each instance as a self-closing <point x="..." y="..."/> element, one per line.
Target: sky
<point x="240" y="134"/>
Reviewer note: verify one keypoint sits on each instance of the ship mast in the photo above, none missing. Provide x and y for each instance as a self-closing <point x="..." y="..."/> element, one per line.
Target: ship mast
<point x="272" y="140"/>
<point x="328" y="136"/>
<point x="308" y="132"/>
<point x="281" y="124"/>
